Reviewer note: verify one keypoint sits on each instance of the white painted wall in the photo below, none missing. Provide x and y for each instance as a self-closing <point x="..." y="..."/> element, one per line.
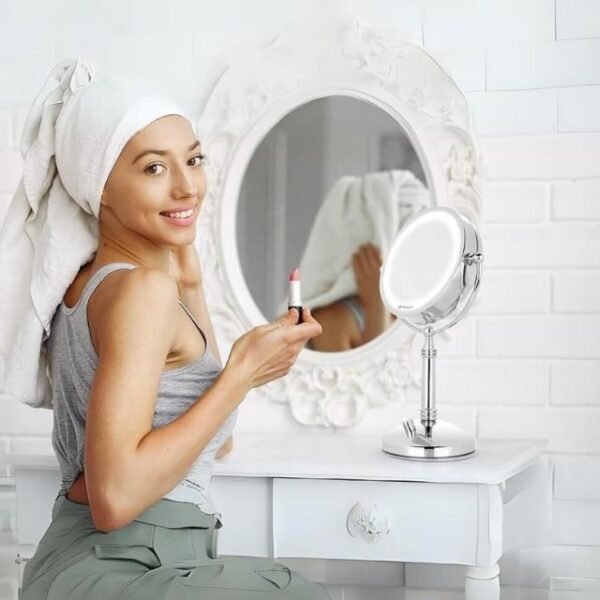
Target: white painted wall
<point x="525" y="363"/>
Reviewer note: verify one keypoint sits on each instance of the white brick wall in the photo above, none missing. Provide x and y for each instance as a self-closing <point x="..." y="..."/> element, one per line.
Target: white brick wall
<point x="530" y="69"/>
<point x="577" y="19"/>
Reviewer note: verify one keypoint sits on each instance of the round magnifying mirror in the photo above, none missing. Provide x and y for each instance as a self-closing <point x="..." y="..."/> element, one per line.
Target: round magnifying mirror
<point x="429" y="279"/>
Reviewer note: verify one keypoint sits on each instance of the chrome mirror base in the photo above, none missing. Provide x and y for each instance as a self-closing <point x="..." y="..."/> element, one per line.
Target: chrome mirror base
<point x="442" y="441"/>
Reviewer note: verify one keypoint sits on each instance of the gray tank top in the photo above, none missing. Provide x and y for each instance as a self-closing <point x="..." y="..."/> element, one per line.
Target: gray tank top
<point x="72" y="362"/>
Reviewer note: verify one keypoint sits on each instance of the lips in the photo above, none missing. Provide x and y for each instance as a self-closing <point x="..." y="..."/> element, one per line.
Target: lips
<point x="178" y="209"/>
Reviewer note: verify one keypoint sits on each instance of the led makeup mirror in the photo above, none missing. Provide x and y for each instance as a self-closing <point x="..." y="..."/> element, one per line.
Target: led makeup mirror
<point x="429" y="279"/>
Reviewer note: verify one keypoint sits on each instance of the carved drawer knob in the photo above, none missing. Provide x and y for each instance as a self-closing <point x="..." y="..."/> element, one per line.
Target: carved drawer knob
<point x="371" y="526"/>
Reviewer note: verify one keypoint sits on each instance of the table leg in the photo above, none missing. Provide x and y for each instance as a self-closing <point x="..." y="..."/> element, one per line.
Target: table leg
<point x="482" y="583"/>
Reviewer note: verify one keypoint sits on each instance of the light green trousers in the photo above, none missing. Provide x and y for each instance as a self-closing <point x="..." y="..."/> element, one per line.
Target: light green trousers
<point x="167" y="553"/>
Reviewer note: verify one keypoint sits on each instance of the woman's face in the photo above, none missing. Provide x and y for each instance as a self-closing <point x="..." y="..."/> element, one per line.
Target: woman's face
<point x="160" y="169"/>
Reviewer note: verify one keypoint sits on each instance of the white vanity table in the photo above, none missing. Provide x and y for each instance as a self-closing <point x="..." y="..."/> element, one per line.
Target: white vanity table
<point x="280" y="497"/>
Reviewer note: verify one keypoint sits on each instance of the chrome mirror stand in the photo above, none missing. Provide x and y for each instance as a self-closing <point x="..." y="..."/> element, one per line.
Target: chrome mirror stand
<point x="432" y="438"/>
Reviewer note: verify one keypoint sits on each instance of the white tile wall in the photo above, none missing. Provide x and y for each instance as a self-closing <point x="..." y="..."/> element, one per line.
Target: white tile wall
<point x="554" y="336"/>
<point x="575" y="383"/>
<point x="530" y="348"/>
<point x="465" y="65"/>
<point x="516" y="202"/>
<point x="576" y="200"/>
<point x="506" y="292"/>
<point x="576" y="522"/>
<point x="546" y="246"/>
<point x="5" y="129"/>
<point x="576" y="478"/>
<point x="542" y="158"/>
<point x="577" y="19"/>
<point x="485" y="382"/>
<point x="528" y="112"/>
<point x="485" y="22"/>
<point x="556" y="64"/>
<point x="576" y="291"/>
<point x="11" y="170"/>
<point x="567" y="429"/>
<point x="577" y="109"/>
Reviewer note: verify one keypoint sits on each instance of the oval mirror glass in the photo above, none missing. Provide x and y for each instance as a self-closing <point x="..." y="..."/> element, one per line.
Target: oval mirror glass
<point x="327" y="190"/>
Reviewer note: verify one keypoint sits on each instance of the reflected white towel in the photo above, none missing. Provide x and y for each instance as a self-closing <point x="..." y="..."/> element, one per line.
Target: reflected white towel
<point x="357" y="209"/>
<point x="73" y="135"/>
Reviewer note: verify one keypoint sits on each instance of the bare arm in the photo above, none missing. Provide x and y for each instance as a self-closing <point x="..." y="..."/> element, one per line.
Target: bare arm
<point x="377" y="320"/>
<point x="128" y="465"/>
<point x="225" y="448"/>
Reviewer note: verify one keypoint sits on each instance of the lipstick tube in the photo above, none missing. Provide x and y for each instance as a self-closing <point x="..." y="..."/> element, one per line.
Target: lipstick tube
<point x="295" y="297"/>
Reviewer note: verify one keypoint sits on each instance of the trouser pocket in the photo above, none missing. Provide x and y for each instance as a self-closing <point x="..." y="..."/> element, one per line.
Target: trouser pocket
<point x="137" y="554"/>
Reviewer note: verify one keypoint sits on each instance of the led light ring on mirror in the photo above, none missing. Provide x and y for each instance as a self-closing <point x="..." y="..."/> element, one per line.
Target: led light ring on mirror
<point x="445" y="303"/>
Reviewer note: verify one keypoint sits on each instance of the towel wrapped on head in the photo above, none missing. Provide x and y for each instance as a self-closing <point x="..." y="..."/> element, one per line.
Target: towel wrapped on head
<point x="74" y="133"/>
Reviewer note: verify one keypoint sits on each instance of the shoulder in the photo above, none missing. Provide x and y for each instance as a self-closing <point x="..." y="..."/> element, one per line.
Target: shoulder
<point x="143" y="279"/>
<point x="138" y="287"/>
<point x="336" y="311"/>
<point x="132" y="298"/>
<point x="339" y="324"/>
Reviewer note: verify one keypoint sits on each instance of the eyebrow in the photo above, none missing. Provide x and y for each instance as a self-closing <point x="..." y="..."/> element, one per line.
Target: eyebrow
<point x="162" y="152"/>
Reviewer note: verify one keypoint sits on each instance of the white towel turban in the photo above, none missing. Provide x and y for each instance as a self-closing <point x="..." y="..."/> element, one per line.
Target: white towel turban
<point x="76" y="128"/>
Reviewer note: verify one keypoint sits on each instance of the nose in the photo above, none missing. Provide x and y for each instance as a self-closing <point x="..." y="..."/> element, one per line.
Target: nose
<point x="186" y="183"/>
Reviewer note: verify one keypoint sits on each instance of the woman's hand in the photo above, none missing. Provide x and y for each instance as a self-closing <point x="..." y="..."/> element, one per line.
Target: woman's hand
<point x="268" y="352"/>
<point x="366" y="264"/>
<point x="184" y="267"/>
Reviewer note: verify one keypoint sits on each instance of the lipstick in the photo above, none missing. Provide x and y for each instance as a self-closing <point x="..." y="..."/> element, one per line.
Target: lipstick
<point x="295" y="298"/>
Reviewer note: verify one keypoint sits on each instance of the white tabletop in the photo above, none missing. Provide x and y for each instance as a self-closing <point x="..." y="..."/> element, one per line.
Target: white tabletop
<point x="340" y="456"/>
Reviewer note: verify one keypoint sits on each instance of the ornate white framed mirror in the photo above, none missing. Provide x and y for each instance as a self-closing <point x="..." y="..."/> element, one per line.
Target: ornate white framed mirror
<point x="303" y="135"/>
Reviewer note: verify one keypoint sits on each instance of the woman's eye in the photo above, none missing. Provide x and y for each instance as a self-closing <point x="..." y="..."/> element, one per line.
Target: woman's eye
<point x="153" y="165"/>
<point x="201" y="159"/>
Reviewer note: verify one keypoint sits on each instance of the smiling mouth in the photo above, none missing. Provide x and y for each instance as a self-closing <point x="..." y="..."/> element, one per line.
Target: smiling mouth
<point x="182" y="214"/>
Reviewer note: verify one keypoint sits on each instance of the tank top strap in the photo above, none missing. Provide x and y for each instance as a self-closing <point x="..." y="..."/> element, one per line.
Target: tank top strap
<point x="95" y="280"/>
<point x="105" y="270"/>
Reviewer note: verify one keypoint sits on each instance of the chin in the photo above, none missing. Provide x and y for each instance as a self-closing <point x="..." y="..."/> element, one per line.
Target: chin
<point x="184" y="241"/>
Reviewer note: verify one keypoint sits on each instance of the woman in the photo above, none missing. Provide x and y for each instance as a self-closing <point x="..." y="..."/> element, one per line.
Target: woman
<point x="141" y="402"/>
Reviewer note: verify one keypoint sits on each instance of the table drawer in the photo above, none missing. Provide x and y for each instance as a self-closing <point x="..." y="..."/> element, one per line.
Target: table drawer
<point x="375" y="520"/>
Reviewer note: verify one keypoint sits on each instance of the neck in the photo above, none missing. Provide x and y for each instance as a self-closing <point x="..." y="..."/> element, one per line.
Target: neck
<point x="119" y="244"/>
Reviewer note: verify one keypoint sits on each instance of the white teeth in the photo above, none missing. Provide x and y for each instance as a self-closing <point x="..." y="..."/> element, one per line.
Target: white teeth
<point x="180" y="215"/>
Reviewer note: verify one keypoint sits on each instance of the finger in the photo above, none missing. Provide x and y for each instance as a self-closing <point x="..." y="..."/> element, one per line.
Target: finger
<point x="304" y="331"/>
<point x="289" y="318"/>
<point x="360" y="262"/>
<point x="374" y="257"/>
<point x="373" y="260"/>
<point x="308" y="318"/>
<point x="373" y="250"/>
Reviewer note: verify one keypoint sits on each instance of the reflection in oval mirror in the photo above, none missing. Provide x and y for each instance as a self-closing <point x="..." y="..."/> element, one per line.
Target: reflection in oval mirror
<point x="327" y="190"/>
